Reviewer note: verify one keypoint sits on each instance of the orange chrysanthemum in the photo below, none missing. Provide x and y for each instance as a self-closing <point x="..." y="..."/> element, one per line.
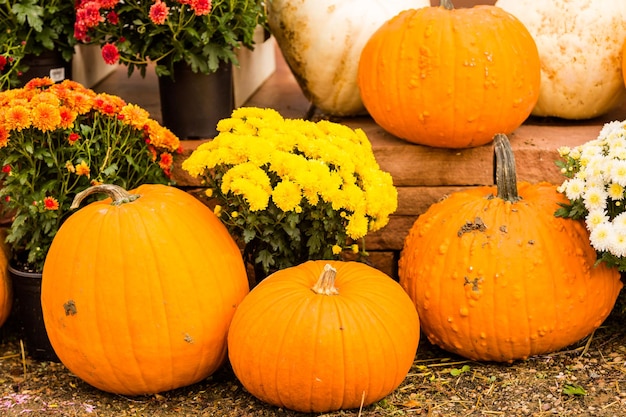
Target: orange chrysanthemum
<point x="45" y="97"/>
<point x="4" y="137"/>
<point x="68" y="116"/>
<point x="166" y="160"/>
<point x="17" y="118"/>
<point x="161" y="137"/>
<point x="135" y="116"/>
<point x="46" y="117"/>
<point x="81" y="103"/>
<point x="36" y="83"/>
<point x="108" y="104"/>
<point x="82" y="169"/>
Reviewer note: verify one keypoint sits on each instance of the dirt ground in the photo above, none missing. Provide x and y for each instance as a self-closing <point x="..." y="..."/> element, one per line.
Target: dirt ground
<point x="587" y="379"/>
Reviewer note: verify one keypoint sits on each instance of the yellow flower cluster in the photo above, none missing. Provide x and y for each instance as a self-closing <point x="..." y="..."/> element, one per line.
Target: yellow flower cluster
<point x="296" y="164"/>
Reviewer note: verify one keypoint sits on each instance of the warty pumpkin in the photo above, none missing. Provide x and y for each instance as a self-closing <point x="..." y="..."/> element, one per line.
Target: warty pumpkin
<point x="138" y="291"/>
<point x="323" y="336"/>
<point x="450" y="78"/>
<point x="495" y="276"/>
<point x="580" y="43"/>
<point x="321" y="41"/>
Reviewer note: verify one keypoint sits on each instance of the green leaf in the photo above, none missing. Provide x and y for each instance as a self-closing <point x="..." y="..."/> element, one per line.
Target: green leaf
<point x="31" y="12"/>
<point x="457" y="371"/>
<point x="574" y="390"/>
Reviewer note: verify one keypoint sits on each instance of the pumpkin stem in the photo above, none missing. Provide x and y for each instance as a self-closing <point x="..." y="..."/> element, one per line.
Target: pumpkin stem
<point x="504" y="175"/>
<point x="446" y="4"/>
<point x="115" y="192"/>
<point x="326" y="283"/>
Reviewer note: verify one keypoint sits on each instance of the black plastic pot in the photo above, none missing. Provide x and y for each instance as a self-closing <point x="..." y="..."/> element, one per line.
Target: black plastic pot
<point x="26" y="318"/>
<point x="193" y="103"/>
<point x="47" y="64"/>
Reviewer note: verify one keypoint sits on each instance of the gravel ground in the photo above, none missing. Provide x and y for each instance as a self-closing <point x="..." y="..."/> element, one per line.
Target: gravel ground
<point x="587" y="379"/>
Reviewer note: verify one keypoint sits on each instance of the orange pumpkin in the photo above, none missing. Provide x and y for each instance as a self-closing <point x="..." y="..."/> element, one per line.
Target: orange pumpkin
<point x="312" y="341"/>
<point x="495" y="276"/>
<point x="138" y="292"/>
<point x="450" y="78"/>
<point x="6" y="293"/>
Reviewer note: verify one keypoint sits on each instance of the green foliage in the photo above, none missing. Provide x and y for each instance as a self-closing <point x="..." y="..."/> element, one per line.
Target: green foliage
<point x="31" y="27"/>
<point x="95" y="139"/>
<point x="203" y="41"/>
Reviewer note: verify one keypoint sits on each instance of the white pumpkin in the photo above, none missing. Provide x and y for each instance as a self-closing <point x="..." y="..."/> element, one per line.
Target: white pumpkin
<point x="580" y="43"/>
<point x="322" y="40"/>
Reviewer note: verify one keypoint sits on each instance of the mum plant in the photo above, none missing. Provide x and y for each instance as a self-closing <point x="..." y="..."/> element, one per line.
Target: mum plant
<point x="29" y="28"/>
<point x="596" y="189"/>
<point x="58" y="139"/>
<point x="293" y="190"/>
<point x="202" y="33"/>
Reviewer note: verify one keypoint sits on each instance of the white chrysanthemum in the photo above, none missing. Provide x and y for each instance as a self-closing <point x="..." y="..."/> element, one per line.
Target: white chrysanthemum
<point x="595" y="198"/>
<point x="615" y="191"/>
<point x="564" y="151"/>
<point x="575" y="153"/>
<point x="617" y="172"/>
<point x="601" y="236"/>
<point x="574" y="188"/>
<point x="610" y="128"/>
<point x="596" y="218"/>
<point x="619" y="153"/>
<point x="617" y="241"/>
<point x="620" y="221"/>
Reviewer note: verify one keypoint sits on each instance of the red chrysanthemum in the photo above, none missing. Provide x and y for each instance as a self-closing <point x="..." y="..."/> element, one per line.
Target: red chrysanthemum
<point x="110" y="54"/>
<point x="51" y="203"/>
<point x="159" y="12"/>
<point x="201" y="7"/>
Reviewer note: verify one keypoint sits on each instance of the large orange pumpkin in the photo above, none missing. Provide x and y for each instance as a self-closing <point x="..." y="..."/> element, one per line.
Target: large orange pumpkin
<point x="496" y="276"/>
<point x="138" y="292"/>
<point x="312" y="341"/>
<point x="449" y="77"/>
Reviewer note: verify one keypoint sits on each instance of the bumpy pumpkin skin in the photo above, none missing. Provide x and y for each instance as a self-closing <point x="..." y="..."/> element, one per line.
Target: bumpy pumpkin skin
<point x="321" y="41"/>
<point x="499" y="281"/>
<point x="450" y="78"/>
<point x="579" y="44"/>
<point x="308" y="352"/>
<point x="137" y="298"/>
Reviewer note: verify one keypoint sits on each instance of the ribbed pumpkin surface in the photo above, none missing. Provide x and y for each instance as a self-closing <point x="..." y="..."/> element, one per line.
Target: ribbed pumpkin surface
<point x="309" y="352"/>
<point x="137" y="298"/>
<point x="498" y="281"/>
<point x="450" y="78"/>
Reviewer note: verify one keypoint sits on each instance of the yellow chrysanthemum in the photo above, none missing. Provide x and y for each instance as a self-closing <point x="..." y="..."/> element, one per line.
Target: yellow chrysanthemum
<point x="287" y="195"/>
